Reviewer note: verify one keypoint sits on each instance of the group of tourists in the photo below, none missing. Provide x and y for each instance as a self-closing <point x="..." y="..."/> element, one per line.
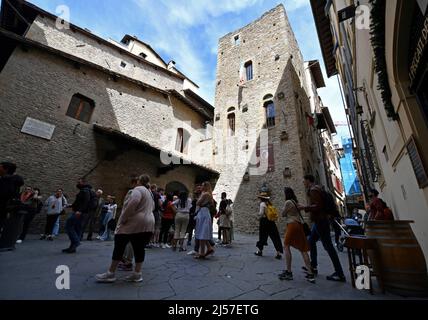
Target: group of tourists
<point x="150" y="218"/>
<point x="298" y="234"/>
<point x="145" y="210"/>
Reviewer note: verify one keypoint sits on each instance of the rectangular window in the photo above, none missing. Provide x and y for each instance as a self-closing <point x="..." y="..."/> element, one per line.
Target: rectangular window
<point x="237" y="40"/>
<point x="80" y="108"/>
<point x="385" y="152"/>
<point x="179" y="144"/>
<point x="417" y="164"/>
<point x="182" y="141"/>
<point x="231" y="126"/>
<point x="270" y="114"/>
<point x="249" y="70"/>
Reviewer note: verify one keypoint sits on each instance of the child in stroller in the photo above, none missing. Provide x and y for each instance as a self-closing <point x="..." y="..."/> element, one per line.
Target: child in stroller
<point x="350" y="227"/>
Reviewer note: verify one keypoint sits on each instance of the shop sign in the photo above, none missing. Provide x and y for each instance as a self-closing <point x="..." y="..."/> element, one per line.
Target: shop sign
<point x="419" y="51"/>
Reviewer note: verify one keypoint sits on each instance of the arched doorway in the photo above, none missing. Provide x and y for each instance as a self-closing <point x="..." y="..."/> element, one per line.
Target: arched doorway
<point x="175" y="187"/>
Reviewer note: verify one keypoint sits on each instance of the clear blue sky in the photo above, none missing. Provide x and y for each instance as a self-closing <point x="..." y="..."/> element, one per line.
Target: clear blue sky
<point x="187" y="31"/>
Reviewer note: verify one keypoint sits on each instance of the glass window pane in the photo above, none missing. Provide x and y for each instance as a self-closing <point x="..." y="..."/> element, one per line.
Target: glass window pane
<point x="80" y="108"/>
<point x="85" y="112"/>
<point x="73" y="107"/>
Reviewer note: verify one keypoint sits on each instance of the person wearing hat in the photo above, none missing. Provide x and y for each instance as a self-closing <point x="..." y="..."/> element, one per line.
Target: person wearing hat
<point x="267" y="228"/>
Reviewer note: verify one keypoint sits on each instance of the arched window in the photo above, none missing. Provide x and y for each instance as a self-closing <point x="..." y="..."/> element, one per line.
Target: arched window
<point x="249" y="70"/>
<point x="81" y="108"/>
<point x="270" y="113"/>
<point x="143" y="55"/>
<point x="231" y="120"/>
<point x="182" y="141"/>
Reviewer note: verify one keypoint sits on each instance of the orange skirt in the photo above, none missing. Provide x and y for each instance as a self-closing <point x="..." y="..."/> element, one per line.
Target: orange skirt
<point x="295" y="237"/>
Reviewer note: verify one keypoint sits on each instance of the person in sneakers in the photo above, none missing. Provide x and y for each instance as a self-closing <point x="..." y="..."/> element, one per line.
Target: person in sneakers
<point x="136" y="225"/>
<point x="267" y="229"/>
<point x="204" y="224"/>
<point x="294" y="236"/>
<point x="321" y="228"/>
<point x="183" y="205"/>
<point x="80" y="206"/>
<point x="111" y="215"/>
<point x="54" y="205"/>
<point x="225" y="212"/>
<point x="157" y="215"/>
<point x="32" y="204"/>
<point x="167" y="220"/>
<point x="128" y="256"/>
<point x="93" y="215"/>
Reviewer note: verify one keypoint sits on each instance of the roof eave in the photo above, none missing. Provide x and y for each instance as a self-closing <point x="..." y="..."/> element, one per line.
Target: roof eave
<point x="325" y="37"/>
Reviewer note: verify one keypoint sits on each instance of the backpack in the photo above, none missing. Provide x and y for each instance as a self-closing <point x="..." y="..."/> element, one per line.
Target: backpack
<point x="93" y="200"/>
<point x="271" y="213"/>
<point x="330" y="205"/>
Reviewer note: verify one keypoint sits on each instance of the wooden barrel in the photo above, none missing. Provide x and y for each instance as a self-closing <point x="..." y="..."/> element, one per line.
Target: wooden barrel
<point x="401" y="261"/>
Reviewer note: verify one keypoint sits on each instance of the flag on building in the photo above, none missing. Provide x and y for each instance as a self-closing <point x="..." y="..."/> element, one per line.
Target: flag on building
<point x="242" y="75"/>
<point x="311" y="120"/>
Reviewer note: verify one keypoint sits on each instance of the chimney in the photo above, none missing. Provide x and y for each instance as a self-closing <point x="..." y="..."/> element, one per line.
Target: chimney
<point x="171" y="65"/>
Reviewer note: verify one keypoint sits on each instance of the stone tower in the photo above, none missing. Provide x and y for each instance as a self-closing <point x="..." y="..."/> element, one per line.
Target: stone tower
<point x="262" y="135"/>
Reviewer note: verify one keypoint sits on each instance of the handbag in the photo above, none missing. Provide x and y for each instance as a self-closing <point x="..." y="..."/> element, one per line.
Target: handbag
<point x="306" y="228"/>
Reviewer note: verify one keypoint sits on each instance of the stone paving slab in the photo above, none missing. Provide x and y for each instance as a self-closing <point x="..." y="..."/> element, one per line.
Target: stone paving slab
<point x="232" y="273"/>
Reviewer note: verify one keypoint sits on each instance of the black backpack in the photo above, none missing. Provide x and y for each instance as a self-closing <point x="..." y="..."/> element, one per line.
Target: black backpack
<point x="330" y="205"/>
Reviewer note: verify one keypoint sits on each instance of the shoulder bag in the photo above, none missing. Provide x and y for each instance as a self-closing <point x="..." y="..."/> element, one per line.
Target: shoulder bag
<point x="306" y="228"/>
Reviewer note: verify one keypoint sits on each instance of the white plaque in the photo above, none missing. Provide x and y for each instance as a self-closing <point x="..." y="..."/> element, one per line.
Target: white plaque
<point x="38" y="128"/>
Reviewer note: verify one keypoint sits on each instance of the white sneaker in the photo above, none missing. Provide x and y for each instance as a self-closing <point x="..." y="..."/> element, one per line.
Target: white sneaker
<point x="107" y="277"/>
<point x="168" y="246"/>
<point x="193" y="252"/>
<point x="134" y="277"/>
<point x="19" y="241"/>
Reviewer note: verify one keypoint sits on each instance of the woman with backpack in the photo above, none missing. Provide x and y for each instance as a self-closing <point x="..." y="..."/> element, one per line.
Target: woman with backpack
<point x="268" y="227"/>
<point x="294" y="236"/>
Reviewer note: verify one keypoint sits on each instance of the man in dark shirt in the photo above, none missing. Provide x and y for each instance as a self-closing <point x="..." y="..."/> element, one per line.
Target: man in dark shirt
<point x="80" y="207"/>
<point x="321" y="228"/>
<point x="10" y="185"/>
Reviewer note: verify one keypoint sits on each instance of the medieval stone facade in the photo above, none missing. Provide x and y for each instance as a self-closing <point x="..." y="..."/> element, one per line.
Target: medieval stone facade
<point x="144" y="113"/>
<point x="141" y="116"/>
<point x="261" y="92"/>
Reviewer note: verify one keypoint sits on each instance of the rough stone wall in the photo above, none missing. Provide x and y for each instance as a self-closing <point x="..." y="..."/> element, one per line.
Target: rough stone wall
<point x="39" y="85"/>
<point x="80" y="45"/>
<point x="260" y="42"/>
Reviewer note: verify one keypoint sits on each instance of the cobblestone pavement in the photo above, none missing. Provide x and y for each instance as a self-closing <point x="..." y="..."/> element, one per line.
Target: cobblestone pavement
<point x="232" y="273"/>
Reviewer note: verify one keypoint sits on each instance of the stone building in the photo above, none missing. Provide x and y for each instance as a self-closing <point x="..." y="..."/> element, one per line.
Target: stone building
<point x="75" y="105"/>
<point x="326" y="161"/>
<point x="383" y="71"/>
<point x="263" y="132"/>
